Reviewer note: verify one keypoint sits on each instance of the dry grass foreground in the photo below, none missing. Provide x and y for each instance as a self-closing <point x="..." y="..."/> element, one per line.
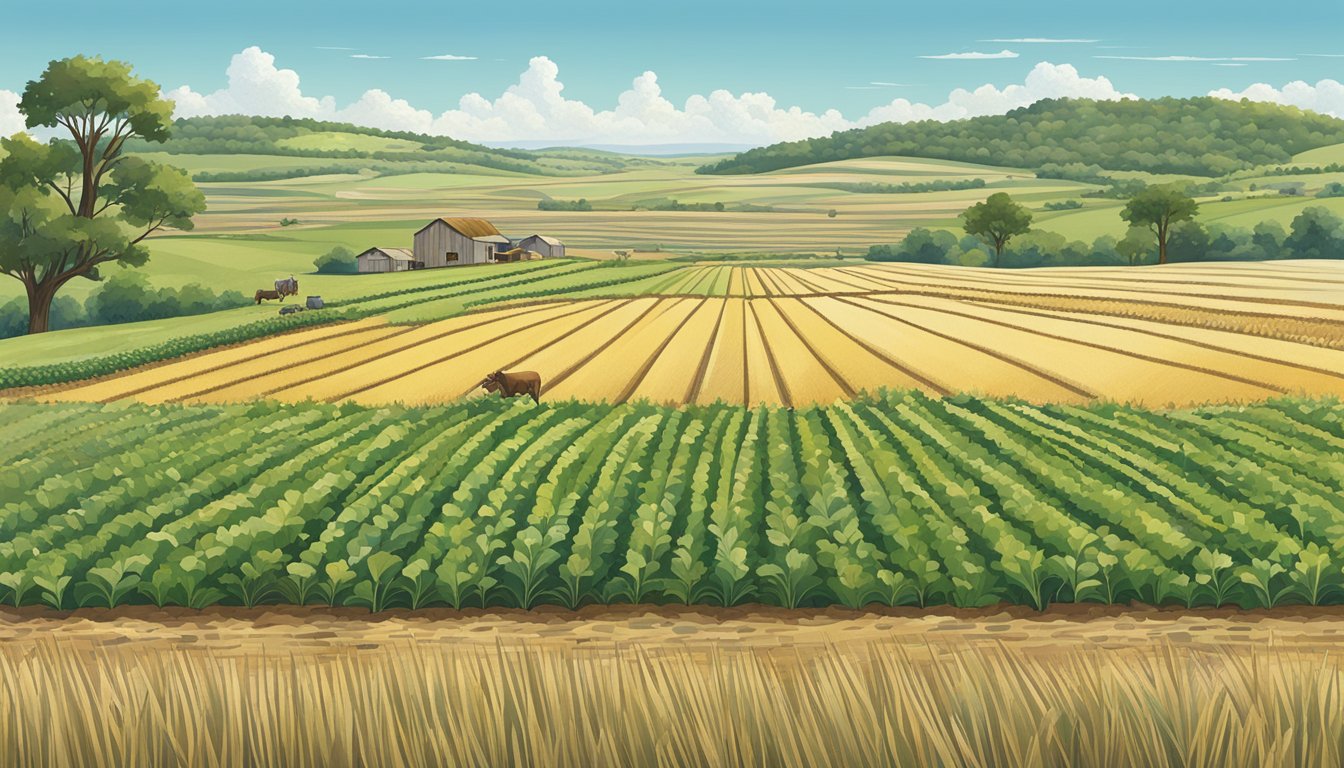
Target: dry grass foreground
<point x="672" y="687"/>
<point x="1174" y="336"/>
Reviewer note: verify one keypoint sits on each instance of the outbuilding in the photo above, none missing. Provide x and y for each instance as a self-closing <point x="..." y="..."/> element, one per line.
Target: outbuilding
<point x="386" y="260"/>
<point x="451" y="242"/>
<point x="548" y="247"/>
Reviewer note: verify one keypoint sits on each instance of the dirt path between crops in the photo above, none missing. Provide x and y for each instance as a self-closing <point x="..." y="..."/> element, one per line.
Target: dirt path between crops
<point x="1064" y="629"/>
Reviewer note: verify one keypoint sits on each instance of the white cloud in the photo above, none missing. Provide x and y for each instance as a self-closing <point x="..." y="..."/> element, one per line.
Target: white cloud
<point x="1326" y="96"/>
<point x="1194" y="58"/>
<point x="11" y="119"/>
<point x="448" y="57"/>
<point x="1044" y="81"/>
<point x="535" y="108"/>
<point x="1038" y="40"/>
<point x="970" y="55"/>
<point x="256" y="87"/>
<point x="367" y="56"/>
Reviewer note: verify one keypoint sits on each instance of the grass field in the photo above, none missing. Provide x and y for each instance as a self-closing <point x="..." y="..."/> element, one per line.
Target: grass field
<point x="239" y="243"/>
<point x="646" y="686"/>
<point x="1156" y="336"/>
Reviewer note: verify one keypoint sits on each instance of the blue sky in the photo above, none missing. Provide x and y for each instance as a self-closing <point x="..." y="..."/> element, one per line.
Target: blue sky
<point x="845" y="56"/>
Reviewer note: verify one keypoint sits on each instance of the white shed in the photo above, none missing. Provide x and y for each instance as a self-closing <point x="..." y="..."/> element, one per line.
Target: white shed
<point x="548" y="247"/>
<point x="386" y="260"/>
<point x="458" y="241"/>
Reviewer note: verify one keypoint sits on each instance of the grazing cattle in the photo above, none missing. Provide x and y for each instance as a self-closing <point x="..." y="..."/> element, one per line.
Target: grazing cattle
<point x="288" y="287"/>
<point x="261" y="294"/>
<point x="290" y="310"/>
<point x="514" y="384"/>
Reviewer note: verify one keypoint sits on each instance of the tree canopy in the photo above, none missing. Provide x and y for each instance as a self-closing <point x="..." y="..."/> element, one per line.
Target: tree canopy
<point x="74" y="204"/>
<point x="1158" y="208"/>
<point x="1201" y="136"/>
<point x="997" y="220"/>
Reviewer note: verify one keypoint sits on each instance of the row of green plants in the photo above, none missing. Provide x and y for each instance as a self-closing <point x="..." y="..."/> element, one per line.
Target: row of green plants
<point x="896" y="499"/>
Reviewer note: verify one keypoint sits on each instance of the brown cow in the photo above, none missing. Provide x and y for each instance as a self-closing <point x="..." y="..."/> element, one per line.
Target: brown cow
<point x="263" y="294"/>
<point x="514" y="384"/>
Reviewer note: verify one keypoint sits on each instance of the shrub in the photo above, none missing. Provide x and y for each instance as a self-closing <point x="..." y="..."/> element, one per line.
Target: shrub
<point x="338" y="261"/>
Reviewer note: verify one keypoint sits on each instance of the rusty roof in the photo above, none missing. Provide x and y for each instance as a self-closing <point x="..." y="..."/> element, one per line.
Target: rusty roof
<point x="470" y="227"/>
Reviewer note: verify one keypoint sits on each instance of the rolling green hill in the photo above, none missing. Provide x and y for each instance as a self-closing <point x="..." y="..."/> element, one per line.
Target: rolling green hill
<point x="304" y="147"/>
<point x="1197" y="136"/>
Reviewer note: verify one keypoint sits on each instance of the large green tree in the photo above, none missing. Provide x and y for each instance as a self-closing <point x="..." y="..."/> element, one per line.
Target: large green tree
<point x="1158" y="208"/>
<point x="997" y="220"/>
<point x="76" y="203"/>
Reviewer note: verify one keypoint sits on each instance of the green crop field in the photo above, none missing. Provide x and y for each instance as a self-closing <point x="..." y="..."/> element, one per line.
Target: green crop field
<point x="901" y="499"/>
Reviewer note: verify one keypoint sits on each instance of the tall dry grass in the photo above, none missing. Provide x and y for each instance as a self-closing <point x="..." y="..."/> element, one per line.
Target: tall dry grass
<point x="873" y="704"/>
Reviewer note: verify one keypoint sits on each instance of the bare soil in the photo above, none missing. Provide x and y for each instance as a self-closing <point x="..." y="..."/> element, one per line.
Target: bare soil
<point x="1062" y="629"/>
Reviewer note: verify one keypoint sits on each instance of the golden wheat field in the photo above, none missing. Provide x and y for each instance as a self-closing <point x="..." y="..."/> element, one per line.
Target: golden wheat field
<point x="671" y="687"/>
<point x="1155" y="336"/>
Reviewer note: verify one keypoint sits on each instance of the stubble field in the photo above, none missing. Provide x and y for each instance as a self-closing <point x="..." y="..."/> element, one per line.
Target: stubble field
<point x="1169" y="336"/>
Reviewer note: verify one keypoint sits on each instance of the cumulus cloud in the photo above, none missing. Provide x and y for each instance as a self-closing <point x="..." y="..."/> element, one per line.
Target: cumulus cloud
<point x="1044" y="81"/>
<point x="1326" y="96"/>
<point x="256" y="87"/>
<point x="536" y="109"/>
<point x="11" y="119"/>
<point x="969" y="55"/>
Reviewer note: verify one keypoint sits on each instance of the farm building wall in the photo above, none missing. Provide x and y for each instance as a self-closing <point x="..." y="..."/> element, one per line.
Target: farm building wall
<point x="375" y="260"/>
<point x="547" y="250"/>
<point x="436" y="241"/>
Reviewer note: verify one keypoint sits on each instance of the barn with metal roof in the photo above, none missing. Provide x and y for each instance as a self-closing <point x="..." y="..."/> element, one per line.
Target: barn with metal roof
<point x="548" y="247"/>
<point x="449" y="242"/>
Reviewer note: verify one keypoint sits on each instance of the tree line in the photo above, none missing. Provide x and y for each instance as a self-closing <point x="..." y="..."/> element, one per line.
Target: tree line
<point x="1162" y="229"/>
<point x="1197" y="136"/>
<point x="125" y="297"/>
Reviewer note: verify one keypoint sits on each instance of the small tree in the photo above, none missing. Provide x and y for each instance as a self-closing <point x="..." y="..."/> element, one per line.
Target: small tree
<point x="997" y="220"/>
<point x="73" y="205"/>
<point x="1158" y="208"/>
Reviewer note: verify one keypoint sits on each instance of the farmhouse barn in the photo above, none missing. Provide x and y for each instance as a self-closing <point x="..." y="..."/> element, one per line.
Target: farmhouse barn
<point x="548" y="247"/>
<point x="458" y="241"/>
<point x="386" y="260"/>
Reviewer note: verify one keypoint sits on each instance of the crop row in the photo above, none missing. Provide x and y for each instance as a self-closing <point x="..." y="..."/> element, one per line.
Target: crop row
<point x="512" y="284"/>
<point x="897" y="498"/>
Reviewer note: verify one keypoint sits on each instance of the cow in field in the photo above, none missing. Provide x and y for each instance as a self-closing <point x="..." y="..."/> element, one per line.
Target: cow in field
<point x="262" y="295"/>
<point x="288" y="287"/>
<point x="514" y="384"/>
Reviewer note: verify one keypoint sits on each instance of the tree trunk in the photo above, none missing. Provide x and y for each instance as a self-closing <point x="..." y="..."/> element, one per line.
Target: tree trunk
<point x="39" y="308"/>
<point x="1162" y="251"/>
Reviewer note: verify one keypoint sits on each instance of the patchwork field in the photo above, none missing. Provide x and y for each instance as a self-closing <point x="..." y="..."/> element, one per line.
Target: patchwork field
<point x="1157" y="336"/>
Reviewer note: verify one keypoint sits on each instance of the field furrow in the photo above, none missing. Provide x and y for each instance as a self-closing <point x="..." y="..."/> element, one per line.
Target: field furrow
<point x="617" y="370"/>
<point x="679" y="367"/>
<point x="451" y="374"/>
<point x="1114" y="373"/>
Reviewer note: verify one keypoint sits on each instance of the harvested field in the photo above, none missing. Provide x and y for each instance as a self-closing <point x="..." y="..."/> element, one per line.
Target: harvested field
<point x="795" y="336"/>
<point x="659" y="686"/>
